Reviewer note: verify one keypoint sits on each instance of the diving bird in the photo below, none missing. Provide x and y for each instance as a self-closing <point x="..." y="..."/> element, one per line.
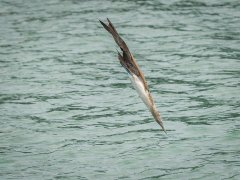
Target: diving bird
<point x="135" y="74"/>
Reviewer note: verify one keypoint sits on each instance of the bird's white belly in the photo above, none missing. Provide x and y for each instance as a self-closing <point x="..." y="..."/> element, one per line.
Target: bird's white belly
<point x="139" y="86"/>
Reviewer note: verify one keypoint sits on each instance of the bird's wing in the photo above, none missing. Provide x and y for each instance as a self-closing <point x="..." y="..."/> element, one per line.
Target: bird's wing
<point x="126" y="58"/>
<point x="129" y="63"/>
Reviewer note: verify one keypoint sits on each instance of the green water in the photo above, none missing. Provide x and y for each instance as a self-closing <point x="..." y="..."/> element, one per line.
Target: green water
<point x="68" y="110"/>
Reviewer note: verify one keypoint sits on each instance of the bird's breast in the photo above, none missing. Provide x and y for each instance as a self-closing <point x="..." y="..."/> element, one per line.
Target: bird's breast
<point x="143" y="93"/>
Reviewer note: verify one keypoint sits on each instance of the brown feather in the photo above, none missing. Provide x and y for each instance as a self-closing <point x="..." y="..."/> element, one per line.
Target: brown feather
<point x="127" y="58"/>
<point x="129" y="63"/>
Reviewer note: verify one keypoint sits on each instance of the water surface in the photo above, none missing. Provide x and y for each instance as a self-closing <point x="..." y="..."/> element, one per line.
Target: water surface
<point x="68" y="110"/>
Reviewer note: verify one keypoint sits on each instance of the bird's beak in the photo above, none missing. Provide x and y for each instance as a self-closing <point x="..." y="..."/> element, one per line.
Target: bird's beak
<point x="157" y="118"/>
<point x="161" y="124"/>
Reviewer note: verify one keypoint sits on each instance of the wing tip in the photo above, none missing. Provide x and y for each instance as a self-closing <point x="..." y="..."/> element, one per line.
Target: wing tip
<point x="104" y="25"/>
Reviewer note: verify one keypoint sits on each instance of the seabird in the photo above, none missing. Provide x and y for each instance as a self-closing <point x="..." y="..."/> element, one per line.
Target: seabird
<point x="135" y="74"/>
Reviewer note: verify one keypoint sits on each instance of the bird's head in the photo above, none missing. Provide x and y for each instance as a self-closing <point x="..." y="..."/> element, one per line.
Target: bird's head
<point x="157" y="117"/>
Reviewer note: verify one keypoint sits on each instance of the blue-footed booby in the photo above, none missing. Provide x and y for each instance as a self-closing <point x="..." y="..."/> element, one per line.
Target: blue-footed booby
<point x="136" y="75"/>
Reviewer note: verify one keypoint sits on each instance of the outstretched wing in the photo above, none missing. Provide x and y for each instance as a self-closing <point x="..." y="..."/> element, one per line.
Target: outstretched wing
<point x="126" y="58"/>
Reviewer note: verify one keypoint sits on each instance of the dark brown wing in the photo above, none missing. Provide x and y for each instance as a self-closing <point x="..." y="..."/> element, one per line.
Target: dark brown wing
<point x="126" y="59"/>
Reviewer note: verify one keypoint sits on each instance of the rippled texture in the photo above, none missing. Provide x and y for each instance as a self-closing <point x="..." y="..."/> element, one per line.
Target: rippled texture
<point x="68" y="110"/>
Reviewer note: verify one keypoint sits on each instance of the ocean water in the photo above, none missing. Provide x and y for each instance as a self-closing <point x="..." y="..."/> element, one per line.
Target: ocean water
<point x="68" y="110"/>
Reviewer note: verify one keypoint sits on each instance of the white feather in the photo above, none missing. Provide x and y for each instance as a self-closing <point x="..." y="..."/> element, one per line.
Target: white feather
<point x="139" y="86"/>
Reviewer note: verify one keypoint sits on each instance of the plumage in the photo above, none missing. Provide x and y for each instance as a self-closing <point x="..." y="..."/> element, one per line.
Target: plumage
<point x="136" y="75"/>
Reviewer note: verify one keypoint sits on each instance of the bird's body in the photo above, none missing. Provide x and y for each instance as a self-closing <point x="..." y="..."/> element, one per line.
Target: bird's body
<point x="135" y="74"/>
<point x="143" y="94"/>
